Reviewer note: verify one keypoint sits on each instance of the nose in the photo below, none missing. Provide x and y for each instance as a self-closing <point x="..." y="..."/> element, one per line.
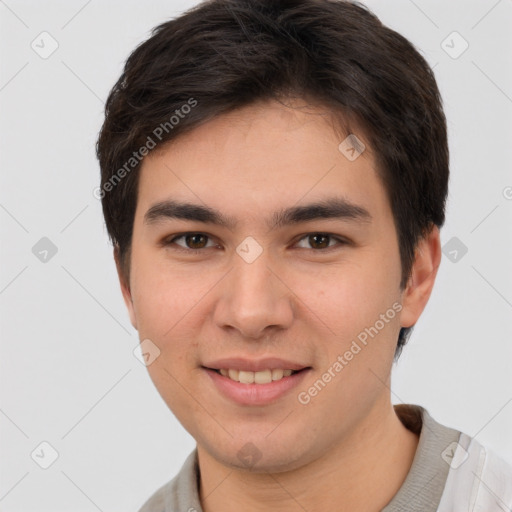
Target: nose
<point x="254" y="299"/>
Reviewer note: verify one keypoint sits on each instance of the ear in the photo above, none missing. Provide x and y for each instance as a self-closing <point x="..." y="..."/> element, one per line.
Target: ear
<point x="125" y="288"/>
<point x="423" y="275"/>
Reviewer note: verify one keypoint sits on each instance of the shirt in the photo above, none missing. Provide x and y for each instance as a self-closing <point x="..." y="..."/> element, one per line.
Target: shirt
<point x="450" y="472"/>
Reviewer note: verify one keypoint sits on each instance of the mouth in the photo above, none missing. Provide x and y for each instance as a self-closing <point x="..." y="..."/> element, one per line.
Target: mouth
<point x="260" y="377"/>
<point x="255" y="388"/>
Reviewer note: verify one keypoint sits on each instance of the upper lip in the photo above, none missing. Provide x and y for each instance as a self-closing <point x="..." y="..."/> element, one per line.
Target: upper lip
<point x="253" y="365"/>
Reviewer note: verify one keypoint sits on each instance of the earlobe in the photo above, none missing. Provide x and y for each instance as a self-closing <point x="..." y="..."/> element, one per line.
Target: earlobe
<point x="125" y="288"/>
<point x="423" y="275"/>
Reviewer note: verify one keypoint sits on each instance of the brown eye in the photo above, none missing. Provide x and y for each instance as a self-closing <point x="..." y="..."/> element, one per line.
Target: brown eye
<point x="193" y="242"/>
<point x="319" y="241"/>
<point x="196" y="241"/>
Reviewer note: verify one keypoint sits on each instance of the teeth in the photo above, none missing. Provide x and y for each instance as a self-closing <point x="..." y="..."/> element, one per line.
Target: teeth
<point x="277" y="374"/>
<point x="246" y="377"/>
<point x="262" y="377"/>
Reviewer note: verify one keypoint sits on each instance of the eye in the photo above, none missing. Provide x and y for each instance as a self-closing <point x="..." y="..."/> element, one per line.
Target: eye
<point x="194" y="242"/>
<point x="320" y="241"/>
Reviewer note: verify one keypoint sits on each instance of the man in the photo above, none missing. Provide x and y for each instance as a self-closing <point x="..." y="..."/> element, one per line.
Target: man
<point x="274" y="177"/>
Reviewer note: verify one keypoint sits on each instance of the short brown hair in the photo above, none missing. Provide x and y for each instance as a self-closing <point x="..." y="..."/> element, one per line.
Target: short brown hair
<point x="225" y="54"/>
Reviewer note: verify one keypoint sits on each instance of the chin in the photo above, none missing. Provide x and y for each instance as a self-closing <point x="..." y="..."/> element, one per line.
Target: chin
<point x="260" y="455"/>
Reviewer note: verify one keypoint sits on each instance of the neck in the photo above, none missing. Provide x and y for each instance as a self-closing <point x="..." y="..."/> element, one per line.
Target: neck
<point x="362" y="472"/>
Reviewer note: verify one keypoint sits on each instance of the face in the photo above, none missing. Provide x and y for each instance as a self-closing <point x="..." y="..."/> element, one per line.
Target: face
<point x="289" y="261"/>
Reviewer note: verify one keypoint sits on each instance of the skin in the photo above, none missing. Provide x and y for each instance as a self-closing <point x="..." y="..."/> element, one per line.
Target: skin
<point x="346" y="449"/>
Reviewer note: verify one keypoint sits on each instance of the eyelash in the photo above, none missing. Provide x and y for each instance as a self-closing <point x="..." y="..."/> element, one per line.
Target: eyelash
<point x="169" y="241"/>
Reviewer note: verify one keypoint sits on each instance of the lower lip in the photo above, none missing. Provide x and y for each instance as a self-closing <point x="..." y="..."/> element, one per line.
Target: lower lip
<point x="255" y="394"/>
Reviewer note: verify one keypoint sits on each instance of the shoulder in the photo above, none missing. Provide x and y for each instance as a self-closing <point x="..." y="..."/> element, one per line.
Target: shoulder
<point x="181" y="493"/>
<point x="478" y="479"/>
<point x="156" y="502"/>
<point x="451" y="470"/>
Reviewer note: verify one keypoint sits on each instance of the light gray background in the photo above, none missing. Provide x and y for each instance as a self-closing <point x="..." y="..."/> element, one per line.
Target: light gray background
<point x="68" y="375"/>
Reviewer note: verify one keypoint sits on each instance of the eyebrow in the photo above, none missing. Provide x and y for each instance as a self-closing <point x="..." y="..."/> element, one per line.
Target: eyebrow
<point x="329" y="208"/>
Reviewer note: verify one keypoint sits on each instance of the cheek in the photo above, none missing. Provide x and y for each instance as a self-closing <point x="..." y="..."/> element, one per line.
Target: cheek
<point x="165" y="304"/>
<point x="157" y="306"/>
<point x="161" y="297"/>
<point x="361" y="309"/>
<point x="352" y="296"/>
<point x="170" y="303"/>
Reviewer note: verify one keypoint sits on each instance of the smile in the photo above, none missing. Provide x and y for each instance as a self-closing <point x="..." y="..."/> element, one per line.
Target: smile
<point x="258" y="388"/>
<point x="261" y="377"/>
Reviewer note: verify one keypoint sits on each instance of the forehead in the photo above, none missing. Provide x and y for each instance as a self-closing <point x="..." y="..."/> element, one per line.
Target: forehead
<point x="261" y="157"/>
